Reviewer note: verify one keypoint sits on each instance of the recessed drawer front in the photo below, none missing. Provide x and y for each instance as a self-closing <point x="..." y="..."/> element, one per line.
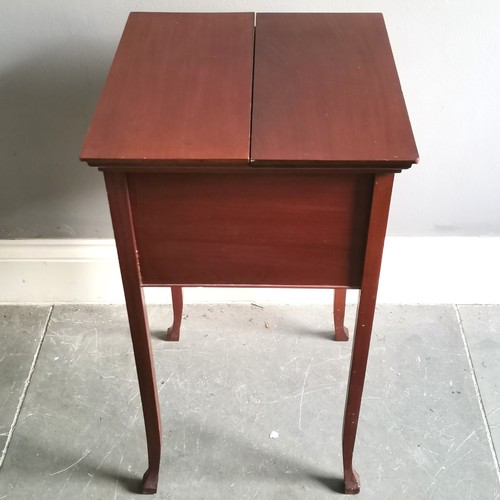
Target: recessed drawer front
<point x="267" y="228"/>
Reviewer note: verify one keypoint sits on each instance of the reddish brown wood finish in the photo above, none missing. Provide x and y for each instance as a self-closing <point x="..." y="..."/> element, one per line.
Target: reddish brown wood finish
<point x="179" y="90"/>
<point x="116" y="186"/>
<point x="341" y="332"/>
<point x="177" y="304"/>
<point x="172" y="135"/>
<point x="364" y="321"/>
<point x="251" y="227"/>
<point x="326" y="90"/>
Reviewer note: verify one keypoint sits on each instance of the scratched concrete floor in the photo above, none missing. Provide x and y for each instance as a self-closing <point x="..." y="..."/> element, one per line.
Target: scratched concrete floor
<point x="71" y="422"/>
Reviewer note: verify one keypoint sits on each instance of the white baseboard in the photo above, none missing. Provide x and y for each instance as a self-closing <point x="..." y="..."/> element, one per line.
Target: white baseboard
<point x="415" y="270"/>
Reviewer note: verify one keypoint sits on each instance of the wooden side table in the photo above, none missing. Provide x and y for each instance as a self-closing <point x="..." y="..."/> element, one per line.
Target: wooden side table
<point x="242" y="156"/>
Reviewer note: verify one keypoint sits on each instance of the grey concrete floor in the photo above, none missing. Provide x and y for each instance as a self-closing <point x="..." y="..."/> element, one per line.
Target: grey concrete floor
<point x="71" y="422"/>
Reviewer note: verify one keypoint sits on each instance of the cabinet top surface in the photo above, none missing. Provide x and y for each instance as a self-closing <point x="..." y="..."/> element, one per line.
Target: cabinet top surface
<point x="326" y="89"/>
<point x="325" y="92"/>
<point x="179" y="89"/>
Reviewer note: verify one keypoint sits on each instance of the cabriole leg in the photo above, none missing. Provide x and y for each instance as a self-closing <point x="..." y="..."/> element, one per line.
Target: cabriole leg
<point x="341" y="332"/>
<point x="364" y="322"/>
<point x="173" y="332"/>
<point x="116" y="185"/>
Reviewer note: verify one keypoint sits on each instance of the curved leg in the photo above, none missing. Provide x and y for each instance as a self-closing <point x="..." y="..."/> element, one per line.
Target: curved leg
<point x="364" y="321"/>
<point x="177" y="303"/>
<point x="116" y="185"/>
<point x="341" y="332"/>
<point x="361" y="345"/>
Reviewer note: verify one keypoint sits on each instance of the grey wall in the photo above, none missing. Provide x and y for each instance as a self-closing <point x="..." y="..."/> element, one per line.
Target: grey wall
<point x="54" y="55"/>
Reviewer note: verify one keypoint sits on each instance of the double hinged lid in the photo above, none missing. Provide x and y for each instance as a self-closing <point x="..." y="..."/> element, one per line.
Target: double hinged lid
<point x="191" y="89"/>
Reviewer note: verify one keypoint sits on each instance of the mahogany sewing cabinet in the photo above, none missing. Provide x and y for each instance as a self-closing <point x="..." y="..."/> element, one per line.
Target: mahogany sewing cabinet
<point x="243" y="150"/>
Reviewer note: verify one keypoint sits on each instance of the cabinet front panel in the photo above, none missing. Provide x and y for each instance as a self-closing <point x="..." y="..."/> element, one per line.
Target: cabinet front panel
<point x="253" y="228"/>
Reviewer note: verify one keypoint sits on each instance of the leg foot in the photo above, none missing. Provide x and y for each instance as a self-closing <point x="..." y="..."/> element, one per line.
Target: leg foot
<point x="341" y="332"/>
<point x="150" y="481"/>
<point x="174" y="331"/>
<point x="351" y="482"/>
<point x="172" y="335"/>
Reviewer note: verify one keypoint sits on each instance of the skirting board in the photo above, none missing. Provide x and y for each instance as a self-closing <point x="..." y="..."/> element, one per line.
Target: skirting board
<point x="415" y="270"/>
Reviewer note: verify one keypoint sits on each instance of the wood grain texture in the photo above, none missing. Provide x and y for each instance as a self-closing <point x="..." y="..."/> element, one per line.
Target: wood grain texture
<point x="251" y="227"/>
<point x="179" y="90"/>
<point x="326" y="90"/>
